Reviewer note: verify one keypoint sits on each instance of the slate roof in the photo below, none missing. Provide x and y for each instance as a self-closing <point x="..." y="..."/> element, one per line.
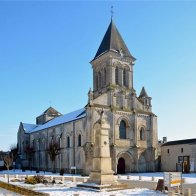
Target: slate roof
<point x="28" y="127"/>
<point x="176" y="142"/>
<point x="78" y="114"/>
<point x="112" y="41"/>
<point x="143" y="93"/>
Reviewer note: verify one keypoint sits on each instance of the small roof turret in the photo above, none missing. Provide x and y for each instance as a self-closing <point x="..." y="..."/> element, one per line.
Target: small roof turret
<point x="47" y="115"/>
<point x="51" y="111"/>
<point x="143" y="93"/>
<point x="112" y="41"/>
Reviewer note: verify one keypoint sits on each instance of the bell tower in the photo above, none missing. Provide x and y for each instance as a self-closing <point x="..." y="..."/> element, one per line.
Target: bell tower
<point x="112" y="64"/>
<point x="132" y="125"/>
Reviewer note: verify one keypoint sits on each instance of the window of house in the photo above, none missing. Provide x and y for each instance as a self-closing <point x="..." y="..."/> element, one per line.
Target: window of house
<point x="182" y="150"/>
<point x="122" y="130"/>
<point x="68" y="142"/>
<point x="142" y="133"/>
<point x="116" y="75"/>
<point x="167" y="151"/>
<point x="79" y="140"/>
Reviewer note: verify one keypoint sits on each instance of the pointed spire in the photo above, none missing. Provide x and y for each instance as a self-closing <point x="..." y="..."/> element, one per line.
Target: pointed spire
<point x="143" y="93"/>
<point x="112" y="41"/>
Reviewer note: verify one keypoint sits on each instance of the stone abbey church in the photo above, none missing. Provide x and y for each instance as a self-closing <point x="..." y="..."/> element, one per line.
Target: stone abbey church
<point x="132" y="125"/>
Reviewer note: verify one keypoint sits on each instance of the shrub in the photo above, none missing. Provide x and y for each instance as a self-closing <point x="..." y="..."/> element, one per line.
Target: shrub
<point x="39" y="179"/>
<point x="30" y="180"/>
<point x="34" y="179"/>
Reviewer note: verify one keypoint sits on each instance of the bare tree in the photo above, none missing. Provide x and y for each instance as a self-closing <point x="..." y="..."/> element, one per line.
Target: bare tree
<point x="14" y="151"/>
<point x="53" y="151"/>
<point x="8" y="161"/>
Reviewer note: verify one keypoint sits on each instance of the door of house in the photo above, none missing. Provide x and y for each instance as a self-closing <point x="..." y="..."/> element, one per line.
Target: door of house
<point x="186" y="164"/>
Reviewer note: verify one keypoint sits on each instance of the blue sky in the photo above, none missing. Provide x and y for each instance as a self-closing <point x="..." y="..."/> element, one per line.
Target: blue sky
<point x="46" y="47"/>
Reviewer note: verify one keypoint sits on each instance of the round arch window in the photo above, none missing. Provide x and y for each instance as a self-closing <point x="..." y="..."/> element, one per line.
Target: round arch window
<point x="122" y="130"/>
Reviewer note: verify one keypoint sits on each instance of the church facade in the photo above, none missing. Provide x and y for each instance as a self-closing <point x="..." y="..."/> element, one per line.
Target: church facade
<point x="133" y="127"/>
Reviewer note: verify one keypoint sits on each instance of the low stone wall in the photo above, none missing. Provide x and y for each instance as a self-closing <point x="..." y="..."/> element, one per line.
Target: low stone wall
<point x="61" y="178"/>
<point x="21" y="190"/>
<point x="132" y="184"/>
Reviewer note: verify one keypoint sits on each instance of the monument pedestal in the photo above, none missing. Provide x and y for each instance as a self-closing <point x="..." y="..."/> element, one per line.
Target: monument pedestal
<point x="102" y="175"/>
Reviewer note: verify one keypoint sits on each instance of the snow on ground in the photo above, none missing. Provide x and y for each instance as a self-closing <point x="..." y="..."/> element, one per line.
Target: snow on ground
<point x="69" y="188"/>
<point x="71" y="191"/>
<point x="188" y="178"/>
<point x="4" y="192"/>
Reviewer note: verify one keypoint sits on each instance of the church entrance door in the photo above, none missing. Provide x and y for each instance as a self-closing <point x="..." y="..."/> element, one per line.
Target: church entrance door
<point x="121" y="166"/>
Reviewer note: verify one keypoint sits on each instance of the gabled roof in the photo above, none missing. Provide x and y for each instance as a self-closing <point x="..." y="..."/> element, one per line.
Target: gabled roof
<point x="176" y="142"/>
<point x="143" y="93"/>
<point x="78" y="114"/>
<point x="112" y="41"/>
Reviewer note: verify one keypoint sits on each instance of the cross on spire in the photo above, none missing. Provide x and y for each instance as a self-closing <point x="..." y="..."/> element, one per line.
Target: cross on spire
<point x="112" y="11"/>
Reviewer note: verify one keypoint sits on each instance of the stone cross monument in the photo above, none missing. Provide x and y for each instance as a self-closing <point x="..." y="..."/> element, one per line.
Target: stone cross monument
<point x="102" y="172"/>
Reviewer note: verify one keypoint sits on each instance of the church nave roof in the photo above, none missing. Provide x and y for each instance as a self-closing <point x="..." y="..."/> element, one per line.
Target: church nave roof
<point x="75" y="115"/>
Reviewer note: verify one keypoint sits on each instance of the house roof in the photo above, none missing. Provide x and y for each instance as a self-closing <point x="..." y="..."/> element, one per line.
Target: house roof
<point x="78" y="114"/>
<point x="112" y="41"/>
<point x="176" y="142"/>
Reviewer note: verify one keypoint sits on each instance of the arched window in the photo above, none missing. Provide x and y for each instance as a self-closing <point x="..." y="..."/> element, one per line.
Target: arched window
<point x="124" y="77"/>
<point x="142" y="134"/>
<point x="116" y="75"/>
<point x="104" y="76"/>
<point x="122" y="130"/>
<point x="23" y="145"/>
<point x="96" y="81"/>
<point x="99" y="80"/>
<point x="43" y="144"/>
<point x="39" y="141"/>
<point x="68" y="142"/>
<point x="79" y="140"/>
<point x="34" y="144"/>
<point x="59" y="142"/>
